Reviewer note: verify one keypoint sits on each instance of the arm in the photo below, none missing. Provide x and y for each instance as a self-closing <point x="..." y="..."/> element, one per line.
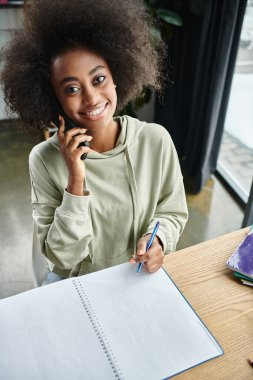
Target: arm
<point x="63" y="223"/>
<point x="171" y="211"/>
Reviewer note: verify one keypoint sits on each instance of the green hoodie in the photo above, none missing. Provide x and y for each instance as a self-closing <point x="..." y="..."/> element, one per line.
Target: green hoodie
<point x="128" y="189"/>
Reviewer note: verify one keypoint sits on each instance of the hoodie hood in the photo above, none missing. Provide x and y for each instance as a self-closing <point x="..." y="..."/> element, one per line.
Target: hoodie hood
<point x="130" y="130"/>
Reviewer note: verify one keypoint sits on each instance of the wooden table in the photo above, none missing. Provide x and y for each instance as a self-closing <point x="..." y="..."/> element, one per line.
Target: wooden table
<point x="223" y="303"/>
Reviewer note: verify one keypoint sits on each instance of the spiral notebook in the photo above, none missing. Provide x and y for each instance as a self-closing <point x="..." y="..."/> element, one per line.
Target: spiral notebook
<point x="112" y="324"/>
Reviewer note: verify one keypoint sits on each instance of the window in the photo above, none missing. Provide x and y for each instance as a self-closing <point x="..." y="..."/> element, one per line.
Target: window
<point x="235" y="162"/>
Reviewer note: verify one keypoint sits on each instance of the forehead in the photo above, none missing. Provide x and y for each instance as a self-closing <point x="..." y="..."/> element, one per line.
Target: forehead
<point x="76" y="60"/>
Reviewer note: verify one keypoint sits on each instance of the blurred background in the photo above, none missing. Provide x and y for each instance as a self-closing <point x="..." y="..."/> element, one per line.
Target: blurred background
<point x="206" y="106"/>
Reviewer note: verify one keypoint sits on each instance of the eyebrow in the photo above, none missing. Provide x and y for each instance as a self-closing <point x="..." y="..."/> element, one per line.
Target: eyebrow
<point x="69" y="79"/>
<point x="96" y="69"/>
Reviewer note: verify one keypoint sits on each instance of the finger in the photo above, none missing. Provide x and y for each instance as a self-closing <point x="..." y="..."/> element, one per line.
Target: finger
<point x="153" y="257"/>
<point x="151" y="268"/>
<point x="61" y="129"/>
<point x="75" y="131"/>
<point x="71" y="133"/>
<point x="76" y="140"/>
<point x="142" y="255"/>
<point x="154" y="251"/>
<point x="155" y="261"/>
<point x="83" y="150"/>
<point x="141" y="258"/>
<point x="141" y="246"/>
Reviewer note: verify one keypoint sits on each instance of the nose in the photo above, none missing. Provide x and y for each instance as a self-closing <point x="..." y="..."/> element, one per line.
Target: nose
<point x="90" y="97"/>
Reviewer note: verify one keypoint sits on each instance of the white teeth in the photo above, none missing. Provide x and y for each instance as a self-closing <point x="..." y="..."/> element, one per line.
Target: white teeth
<point x="96" y="112"/>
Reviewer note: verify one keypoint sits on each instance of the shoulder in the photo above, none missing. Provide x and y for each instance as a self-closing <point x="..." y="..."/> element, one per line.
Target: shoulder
<point x="152" y="129"/>
<point x="45" y="148"/>
<point x="156" y="135"/>
<point x="148" y="131"/>
<point x="45" y="152"/>
<point x="37" y="152"/>
<point x="156" y="131"/>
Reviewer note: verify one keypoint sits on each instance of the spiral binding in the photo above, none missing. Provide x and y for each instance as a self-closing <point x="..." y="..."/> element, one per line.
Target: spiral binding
<point x="98" y="330"/>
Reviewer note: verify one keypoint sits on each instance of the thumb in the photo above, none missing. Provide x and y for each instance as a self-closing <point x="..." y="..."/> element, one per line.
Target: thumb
<point x="141" y="246"/>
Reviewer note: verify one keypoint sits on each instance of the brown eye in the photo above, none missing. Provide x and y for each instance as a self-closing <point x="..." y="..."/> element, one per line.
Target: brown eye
<point x="71" y="89"/>
<point x="99" y="79"/>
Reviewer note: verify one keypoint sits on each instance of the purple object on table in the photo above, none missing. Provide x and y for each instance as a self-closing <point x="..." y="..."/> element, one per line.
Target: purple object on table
<point x="242" y="259"/>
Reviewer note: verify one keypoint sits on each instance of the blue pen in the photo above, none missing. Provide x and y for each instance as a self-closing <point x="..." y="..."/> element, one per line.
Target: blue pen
<point x="149" y="244"/>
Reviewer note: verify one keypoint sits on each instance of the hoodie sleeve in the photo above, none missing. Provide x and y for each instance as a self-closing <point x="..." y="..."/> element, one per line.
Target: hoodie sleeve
<point x="171" y="209"/>
<point x="63" y="222"/>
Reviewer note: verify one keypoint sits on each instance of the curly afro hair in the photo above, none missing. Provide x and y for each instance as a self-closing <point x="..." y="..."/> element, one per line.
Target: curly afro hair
<point x="119" y="30"/>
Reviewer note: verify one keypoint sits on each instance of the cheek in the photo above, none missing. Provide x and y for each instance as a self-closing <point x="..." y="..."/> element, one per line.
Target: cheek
<point x="71" y="105"/>
<point x="114" y="96"/>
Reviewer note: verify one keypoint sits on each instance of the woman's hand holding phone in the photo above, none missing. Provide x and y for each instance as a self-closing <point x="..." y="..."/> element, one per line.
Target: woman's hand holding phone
<point x="72" y="151"/>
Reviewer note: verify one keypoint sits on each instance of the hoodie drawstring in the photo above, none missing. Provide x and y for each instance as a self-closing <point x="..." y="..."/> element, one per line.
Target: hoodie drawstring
<point x="134" y="192"/>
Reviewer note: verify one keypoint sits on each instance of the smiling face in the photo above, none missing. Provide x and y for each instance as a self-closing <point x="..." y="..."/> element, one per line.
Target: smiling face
<point x="83" y="84"/>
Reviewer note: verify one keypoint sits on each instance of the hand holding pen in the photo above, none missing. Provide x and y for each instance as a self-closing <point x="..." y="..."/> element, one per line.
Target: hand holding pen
<point x="149" y="252"/>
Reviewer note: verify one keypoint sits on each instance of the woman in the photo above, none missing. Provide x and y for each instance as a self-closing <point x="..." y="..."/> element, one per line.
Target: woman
<point x="84" y="61"/>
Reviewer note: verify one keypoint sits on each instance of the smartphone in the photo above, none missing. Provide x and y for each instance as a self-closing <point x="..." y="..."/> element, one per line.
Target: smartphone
<point x="69" y="123"/>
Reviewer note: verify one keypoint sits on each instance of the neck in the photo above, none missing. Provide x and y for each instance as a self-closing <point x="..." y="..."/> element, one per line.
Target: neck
<point x="105" y="139"/>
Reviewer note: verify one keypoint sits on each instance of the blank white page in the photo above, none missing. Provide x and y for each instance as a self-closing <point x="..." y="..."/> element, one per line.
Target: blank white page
<point x="46" y="334"/>
<point x="152" y="330"/>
